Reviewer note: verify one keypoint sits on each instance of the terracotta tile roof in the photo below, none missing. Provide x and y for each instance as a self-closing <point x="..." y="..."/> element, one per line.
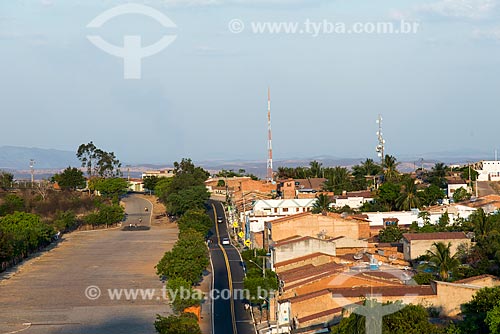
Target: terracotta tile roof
<point x="386" y="291"/>
<point x="435" y="236"/>
<point x="313" y="183"/>
<point x="330" y="312"/>
<point x="302" y="258"/>
<point x="309" y="271"/>
<point x="291" y="217"/>
<point x="291" y="241"/>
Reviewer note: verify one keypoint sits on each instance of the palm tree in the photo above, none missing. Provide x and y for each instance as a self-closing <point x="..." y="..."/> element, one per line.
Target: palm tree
<point x="338" y="179"/>
<point x="315" y="168"/>
<point x="439" y="169"/>
<point x="390" y="168"/>
<point x="442" y="260"/>
<point x="408" y="198"/>
<point x="371" y="168"/>
<point x="322" y="204"/>
<point x="480" y="223"/>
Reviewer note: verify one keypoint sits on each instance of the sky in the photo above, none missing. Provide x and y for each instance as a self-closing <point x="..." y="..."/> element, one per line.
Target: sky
<point x="204" y="96"/>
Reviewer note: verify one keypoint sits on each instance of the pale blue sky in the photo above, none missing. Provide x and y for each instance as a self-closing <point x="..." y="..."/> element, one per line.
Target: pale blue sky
<point x="205" y="95"/>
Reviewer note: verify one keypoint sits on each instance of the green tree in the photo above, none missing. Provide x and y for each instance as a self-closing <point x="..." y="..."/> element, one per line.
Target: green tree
<point x="461" y="195"/>
<point x="98" y="162"/>
<point x="390" y="234"/>
<point x="11" y="203"/>
<point x="190" y="198"/>
<point x="493" y="319"/>
<point x="388" y="194"/>
<point x="338" y="179"/>
<point x="65" y="220"/>
<point x="390" y="168"/>
<point x="322" y="204"/>
<point x="430" y="195"/>
<point x="195" y="219"/>
<point x="187" y="259"/>
<point x="6" y="180"/>
<point x="316" y="168"/>
<point x="476" y="311"/>
<point x="440" y="257"/>
<point x="150" y="182"/>
<point x="182" y="295"/>
<point x="162" y="188"/>
<point x="408" y="198"/>
<point x="185" y="323"/>
<point x="105" y="215"/>
<point x="70" y="179"/>
<point x="111" y="187"/>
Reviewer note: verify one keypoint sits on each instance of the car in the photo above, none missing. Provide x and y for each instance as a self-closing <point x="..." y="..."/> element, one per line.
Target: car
<point x="219" y="219"/>
<point x="225" y="241"/>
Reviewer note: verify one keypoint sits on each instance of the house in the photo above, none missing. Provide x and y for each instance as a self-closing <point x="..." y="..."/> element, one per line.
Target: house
<point x="488" y="170"/>
<point x="455" y="184"/>
<point x="417" y="244"/>
<point x="321" y="226"/>
<point x="169" y="172"/>
<point x="300" y="188"/>
<point x="353" y="199"/>
<point x="489" y="203"/>
<point x="135" y="185"/>
<point x="267" y="210"/>
<point x="296" y="247"/>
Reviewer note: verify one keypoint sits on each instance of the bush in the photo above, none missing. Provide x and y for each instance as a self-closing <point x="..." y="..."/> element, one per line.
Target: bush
<point x="186" y="323"/>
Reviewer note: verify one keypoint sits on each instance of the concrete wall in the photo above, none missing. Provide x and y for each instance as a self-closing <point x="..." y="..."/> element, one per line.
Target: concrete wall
<point x="416" y="248"/>
<point x="313" y="225"/>
<point x="300" y="248"/>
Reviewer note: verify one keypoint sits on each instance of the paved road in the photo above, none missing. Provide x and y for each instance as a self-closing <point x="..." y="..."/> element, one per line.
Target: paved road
<point x="230" y="316"/>
<point x="49" y="291"/>
<point x="135" y="210"/>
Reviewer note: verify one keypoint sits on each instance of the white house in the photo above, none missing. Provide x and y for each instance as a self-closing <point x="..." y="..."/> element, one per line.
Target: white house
<point x="268" y="210"/>
<point x="454" y="185"/>
<point x="354" y="199"/>
<point x="169" y="172"/>
<point x="488" y="170"/>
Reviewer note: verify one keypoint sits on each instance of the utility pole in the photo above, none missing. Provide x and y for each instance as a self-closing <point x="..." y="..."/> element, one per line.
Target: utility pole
<point x="32" y="169"/>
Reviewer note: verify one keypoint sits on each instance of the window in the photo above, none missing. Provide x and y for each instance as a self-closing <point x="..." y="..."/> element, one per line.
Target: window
<point x="285" y="209"/>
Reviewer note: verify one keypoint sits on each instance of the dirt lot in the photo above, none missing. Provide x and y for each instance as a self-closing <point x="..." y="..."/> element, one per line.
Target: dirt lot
<point x="47" y="294"/>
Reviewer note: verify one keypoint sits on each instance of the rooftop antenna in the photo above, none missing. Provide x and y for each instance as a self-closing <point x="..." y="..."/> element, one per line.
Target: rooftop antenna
<point x="381" y="141"/>
<point x="269" y="139"/>
<point x="496" y="155"/>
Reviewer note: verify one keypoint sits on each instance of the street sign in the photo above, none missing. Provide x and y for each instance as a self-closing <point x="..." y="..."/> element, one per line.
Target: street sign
<point x="248" y="243"/>
<point x="235" y="224"/>
<point x="241" y="234"/>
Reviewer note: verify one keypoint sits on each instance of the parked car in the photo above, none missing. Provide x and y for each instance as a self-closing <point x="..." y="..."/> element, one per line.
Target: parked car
<point x="225" y="241"/>
<point x="219" y="219"/>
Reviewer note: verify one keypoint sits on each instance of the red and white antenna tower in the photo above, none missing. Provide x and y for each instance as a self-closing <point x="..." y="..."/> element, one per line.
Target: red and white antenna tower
<point x="269" y="139"/>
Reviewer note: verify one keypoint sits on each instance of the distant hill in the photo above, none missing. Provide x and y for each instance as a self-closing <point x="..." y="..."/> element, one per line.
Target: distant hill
<point x="18" y="158"/>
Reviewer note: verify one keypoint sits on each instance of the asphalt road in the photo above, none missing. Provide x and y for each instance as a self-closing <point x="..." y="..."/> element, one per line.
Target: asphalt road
<point x="230" y="316"/>
<point x="47" y="294"/>
<point x="135" y="210"/>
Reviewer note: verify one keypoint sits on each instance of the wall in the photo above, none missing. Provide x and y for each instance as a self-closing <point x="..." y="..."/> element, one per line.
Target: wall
<point x="416" y="248"/>
<point x="312" y="225"/>
<point x="301" y="248"/>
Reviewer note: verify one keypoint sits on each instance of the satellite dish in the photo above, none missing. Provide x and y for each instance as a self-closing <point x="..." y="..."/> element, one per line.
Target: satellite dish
<point x="358" y="256"/>
<point x="392" y="257"/>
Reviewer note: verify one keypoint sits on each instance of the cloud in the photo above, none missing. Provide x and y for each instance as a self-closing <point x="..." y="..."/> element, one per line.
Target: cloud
<point x="202" y="3"/>
<point x="468" y="9"/>
<point x="450" y="9"/>
<point x="492" y="34"/>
